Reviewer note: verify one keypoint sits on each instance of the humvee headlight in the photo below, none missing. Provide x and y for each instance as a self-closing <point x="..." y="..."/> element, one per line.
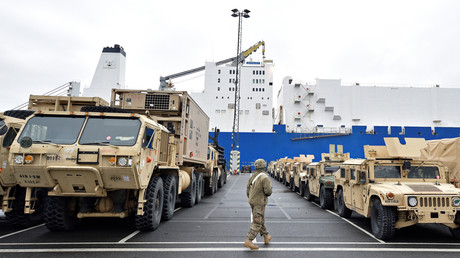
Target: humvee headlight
<point x="122" y="161"/>
<point x="390" y="196"/>
<point x="28" y="159"/>
<point x="412" y="201"/>
<point x="112" y="161"/>
<point x="19" y="159"/>
<point x="456" y="201"/>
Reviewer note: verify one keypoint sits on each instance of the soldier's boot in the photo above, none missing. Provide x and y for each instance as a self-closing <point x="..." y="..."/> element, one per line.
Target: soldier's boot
<point x="267" y="239"/>
<point x="248" y="243"/>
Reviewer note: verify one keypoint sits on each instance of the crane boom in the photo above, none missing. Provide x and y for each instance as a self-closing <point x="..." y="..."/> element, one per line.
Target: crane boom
<point x="164" y="85"/>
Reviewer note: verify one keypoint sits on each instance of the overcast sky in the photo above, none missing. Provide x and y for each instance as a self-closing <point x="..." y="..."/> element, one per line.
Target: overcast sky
<point x="44" y="44"/>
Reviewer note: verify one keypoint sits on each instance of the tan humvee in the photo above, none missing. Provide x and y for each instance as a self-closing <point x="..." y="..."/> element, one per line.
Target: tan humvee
<point x="109" y="164"/>
<point x="298" y="174"/>
<point x="279" y="173"/>
<point x="320" y="178"/>
<point x="395" y="189"/>
<point x="271" y="168"/>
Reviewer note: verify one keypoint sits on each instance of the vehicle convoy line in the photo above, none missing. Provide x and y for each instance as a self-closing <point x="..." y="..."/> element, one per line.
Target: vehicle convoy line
<point x="228" y="249"/>
<point x="353" y="224"/>
<point x="21" y="231"/>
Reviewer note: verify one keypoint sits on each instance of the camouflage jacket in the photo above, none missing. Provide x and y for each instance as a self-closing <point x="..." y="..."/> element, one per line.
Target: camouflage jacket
<point x="258" y="192"/>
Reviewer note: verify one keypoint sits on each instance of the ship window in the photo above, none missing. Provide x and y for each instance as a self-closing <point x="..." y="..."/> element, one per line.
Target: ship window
<point x="230" y="71"/>
<point x="265" y="112"/>
<point x="268" y="98"/>
<point x="233" y="80"/>
<point x="218" y="88"/>
<point x="217" y="111"/>
<point x="246" y="112"/>
<point x="263" y="72"/>
<point x="253" y="80"/>
<point x="257" y="81"/>
<point x="263" y="89"/>
<point x="229" y="80"/>
<point x="253" y="72"/>
<point x="231" y="105"/>
<point x="262" y="97"/>
<point x="218" y="71"/>
<point x="229" y="88"/>
<point x="218" y="80"/>
<point x="217" y="97"/>
<point x="270" y="83"/>
<point x="257" y="105"/>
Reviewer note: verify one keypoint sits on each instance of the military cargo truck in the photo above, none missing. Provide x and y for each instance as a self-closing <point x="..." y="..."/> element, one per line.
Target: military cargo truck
<point x="299" y="173"/>
<point x="320" y="178"/>
<point x="110" y="162"/>
<point x="395" y="189"/>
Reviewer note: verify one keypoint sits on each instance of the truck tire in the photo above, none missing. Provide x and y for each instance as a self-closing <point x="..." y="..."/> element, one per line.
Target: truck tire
<point x="220" y="182"/>
<point x="308" y="195"/>
<point x="170" y="195"/>
<point x="21" y="114"/>
<point x="60" y="213"/>
<point x="326" y="199"/>
<point x="153" y="206"/>
<point x="214" y="181"/>
<point x="17" y="217"/>
<point x="302" y="188"/>
<point x="455" y="232"/>
<point x="188" y="198"/>
<point x="342" y="209"/>
<point x="199" y="188"/>
<point x="383" y="220"/>
<point x="208" y="189"/>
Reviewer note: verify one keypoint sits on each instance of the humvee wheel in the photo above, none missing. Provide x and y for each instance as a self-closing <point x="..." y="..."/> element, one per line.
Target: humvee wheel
<point x="341" y="208"/>
<point x="170" y="195"/>
<point x="308" y="195"/>
<point x="152" y="207"/>
<point x="199" y="187"/>
<point x="17" y="217"/>
<point x="326" y="200"/>
<point x="302" y="188"/>
<point x="60" y="213"/>
<point x="383" y="220"/>
<point x="292" y="185"/>
<point x="455" y="232"/>
<point x="188" y="198"/>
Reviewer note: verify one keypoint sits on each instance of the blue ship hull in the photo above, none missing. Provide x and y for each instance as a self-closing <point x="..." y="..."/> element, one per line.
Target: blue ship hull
<point x="279" y="144"/>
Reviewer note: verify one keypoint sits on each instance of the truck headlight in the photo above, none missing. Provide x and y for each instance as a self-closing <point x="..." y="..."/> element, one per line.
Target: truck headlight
<point x="456" y="201"/>
<point x="19" y="159"/>
<point x="412" y="201"/>
<point x="122" y="162"/>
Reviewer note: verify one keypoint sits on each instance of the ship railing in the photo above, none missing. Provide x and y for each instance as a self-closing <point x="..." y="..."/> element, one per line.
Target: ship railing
<point x="320" y="132"/>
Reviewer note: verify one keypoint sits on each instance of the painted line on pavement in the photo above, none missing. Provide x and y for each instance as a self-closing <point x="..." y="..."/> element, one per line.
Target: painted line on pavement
<point x="353" y="224"/>
<point x="220" y="249"/>
<point x="129" y="237"/>
<point x="282" y="210"/>
<point x="20" y="231"/>
<point x="223" y="198"/>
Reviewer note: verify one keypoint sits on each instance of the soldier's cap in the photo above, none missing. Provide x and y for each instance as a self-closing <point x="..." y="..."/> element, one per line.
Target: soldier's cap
<point x="260" y="164"/>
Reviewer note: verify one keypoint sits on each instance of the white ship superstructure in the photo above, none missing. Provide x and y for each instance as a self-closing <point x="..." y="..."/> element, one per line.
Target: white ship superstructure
<point x="256" y="91"/>
<point x="327" y="105"/>
<point x="109" y="74"/>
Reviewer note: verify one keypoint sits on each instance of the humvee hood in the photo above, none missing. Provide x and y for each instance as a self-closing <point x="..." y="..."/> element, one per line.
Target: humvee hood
<point x="416" y="188"/>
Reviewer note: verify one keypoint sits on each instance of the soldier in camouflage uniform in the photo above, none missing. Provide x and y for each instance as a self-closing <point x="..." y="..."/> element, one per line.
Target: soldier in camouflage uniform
<point x="258" y="189"/>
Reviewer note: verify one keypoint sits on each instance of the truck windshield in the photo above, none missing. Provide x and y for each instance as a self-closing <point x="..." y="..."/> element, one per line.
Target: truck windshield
<point x="330" y="169"/>
<point x="3" y="128"/>
<point x="423" y="172"/>
<point x="387" y="172"/>
<point x="53" y="129"/>
<point x="113" y="131"/>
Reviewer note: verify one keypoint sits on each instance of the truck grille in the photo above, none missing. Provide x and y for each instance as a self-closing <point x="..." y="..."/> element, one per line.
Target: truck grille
<point x="158" y="102"/>
<point x="431" y="201"/>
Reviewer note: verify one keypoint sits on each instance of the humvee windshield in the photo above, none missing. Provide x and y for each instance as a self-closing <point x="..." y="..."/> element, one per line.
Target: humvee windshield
<point x="387" y="172"/>
<point x="53" y="129"/>
<point x="423" y="172"/>
<point x="330" y="169"/>
<point x="109" y="130"/>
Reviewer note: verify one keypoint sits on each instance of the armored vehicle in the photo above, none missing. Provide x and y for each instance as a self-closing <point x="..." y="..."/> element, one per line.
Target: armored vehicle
<point x="279" y="169"/>
<point x="271" y="168"/>
<point x="320" y="178"/>
<point x="395" y="189"/>
<point x="298" y="174"/>
<point x="11" y="195"/>
<point x="111" y="162"/>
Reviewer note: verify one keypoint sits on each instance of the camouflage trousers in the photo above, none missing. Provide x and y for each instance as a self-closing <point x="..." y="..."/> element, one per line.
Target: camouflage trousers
<point x="257" y="222"/>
